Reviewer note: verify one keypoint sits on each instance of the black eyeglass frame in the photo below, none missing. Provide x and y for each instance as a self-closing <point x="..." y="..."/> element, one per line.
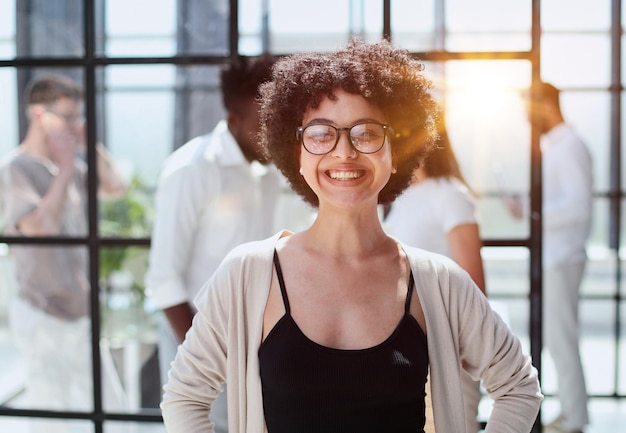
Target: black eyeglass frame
<point x="70" y="120"/>
<point x="386" y="131"/>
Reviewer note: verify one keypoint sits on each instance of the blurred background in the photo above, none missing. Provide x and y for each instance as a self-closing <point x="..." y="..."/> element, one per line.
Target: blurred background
<point x="150" y="69"/>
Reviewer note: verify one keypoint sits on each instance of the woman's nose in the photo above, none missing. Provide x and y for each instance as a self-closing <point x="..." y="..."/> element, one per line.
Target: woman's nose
<point x="344" y="147"/>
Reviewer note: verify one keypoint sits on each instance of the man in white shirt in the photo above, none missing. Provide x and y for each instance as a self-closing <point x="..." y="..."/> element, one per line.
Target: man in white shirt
<point x="567" y="204"/>
<point x="214" y="193"/>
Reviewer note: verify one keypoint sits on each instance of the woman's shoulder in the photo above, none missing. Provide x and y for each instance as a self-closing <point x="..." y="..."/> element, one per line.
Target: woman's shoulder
<point x="255" y="250"/>
<point x="427" y="265"/>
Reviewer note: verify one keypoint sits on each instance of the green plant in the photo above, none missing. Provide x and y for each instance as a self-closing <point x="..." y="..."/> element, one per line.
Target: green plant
<point x="127" y="217"/>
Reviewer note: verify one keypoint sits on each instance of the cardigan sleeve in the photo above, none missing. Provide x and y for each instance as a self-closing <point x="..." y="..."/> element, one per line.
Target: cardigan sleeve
<point x="199" y="369"/>
<point x="222" y="346"/>
<point x="491" y="352"/>
<point x="464" y="332"/>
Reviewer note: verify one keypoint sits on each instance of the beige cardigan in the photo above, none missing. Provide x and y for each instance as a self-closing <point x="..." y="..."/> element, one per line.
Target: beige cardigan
<point x="223" y="344"/>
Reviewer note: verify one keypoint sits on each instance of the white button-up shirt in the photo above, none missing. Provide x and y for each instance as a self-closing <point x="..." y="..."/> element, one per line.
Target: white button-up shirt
<point x="209" y="200"/>
<point x="567" y="196"/>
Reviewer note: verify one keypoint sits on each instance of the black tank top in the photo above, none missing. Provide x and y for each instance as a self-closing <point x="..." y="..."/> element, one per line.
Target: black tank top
<point x="310" y="388"/>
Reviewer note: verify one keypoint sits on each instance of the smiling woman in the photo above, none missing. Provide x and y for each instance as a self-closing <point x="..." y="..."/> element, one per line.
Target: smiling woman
<point x="335" y="328"/>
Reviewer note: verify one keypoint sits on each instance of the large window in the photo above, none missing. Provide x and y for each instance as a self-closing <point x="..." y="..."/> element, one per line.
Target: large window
<point x="150" y="70"/>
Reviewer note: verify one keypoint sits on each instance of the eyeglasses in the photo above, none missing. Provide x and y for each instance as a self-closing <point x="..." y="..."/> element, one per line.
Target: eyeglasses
<point x="321" y="138"/>
<point x="70" y="119"/>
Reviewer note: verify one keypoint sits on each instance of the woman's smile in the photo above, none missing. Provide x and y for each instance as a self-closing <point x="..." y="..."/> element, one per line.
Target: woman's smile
<point x="345" y="174"/>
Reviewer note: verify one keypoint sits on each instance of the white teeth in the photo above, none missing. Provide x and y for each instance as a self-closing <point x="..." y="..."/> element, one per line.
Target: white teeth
<point x="345" y="175"/>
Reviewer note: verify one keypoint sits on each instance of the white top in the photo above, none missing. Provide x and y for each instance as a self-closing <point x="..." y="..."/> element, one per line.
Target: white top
<point x="209" y="200"/>
<point x="426" y="212"/>
<point x="461" y="328"/>
<point x="567" y="196"/>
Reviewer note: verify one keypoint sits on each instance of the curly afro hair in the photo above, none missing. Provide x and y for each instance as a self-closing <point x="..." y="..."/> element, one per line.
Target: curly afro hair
<point x="387" y="77"/>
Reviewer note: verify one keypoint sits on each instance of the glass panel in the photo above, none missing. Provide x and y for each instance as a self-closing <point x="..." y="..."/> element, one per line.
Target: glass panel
<point x="50" y="29"/>
<point x="43" y="425"/>
<point x="597" y="348"/>
<point x="597" y="345"/>
<point x="413" y="24"/>
<point x="7" y="29"/>
<point x="622" y="350"/>
<point x="622" y="240"/>
<point x="150" y="111"/>
<point x="623" y="141"/>
<point x="9" y="110"/>
<point x="251" y="18"/>
<point x="328" y="24"/>
<point x="133" y="427"/>
<point x="601" y="265"/>
<point x="490" y="135"/>
<point x="129" y="332"/>
<point x="172" y="28"/>
<point x="507" y="283"/>
<point x="11" y="368"/>
<point x="580" y="15"/>
<point x="505" y="27"/>
<point x="27" y="175"/>
<point x="561" y="62"/>
<point x="126" y="36"/>
<point x="50" y="327"/>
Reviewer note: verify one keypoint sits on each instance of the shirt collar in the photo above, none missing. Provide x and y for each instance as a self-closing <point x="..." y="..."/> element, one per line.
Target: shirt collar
<point x="229" y="151"/>
<point x="555" y="134"/>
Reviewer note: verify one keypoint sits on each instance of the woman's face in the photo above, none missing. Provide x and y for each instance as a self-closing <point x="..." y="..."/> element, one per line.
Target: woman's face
<point x="345" y="177"/>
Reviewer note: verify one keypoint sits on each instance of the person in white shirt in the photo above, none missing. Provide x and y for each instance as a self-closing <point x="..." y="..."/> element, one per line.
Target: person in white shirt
<point x="567" y="204"/>
<point x="214" y="193"/>
<point x="437" y="213"/>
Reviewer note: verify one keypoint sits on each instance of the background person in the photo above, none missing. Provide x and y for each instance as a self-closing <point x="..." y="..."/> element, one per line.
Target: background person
<point x="438" y="213"/>
<point x="214" y="193"/>
<point x="43" y="190"/>
<point x="567" y="207"/>
<point x="334" y="328"/>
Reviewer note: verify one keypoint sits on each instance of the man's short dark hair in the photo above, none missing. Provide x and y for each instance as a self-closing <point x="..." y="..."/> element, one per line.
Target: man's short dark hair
<point x="48" y="89"/>
<point x="242" y="77"/>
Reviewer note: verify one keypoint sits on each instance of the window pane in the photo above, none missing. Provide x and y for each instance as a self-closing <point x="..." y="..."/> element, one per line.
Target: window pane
<point x="489" y="133"/>
<point x="8" y="110"/>
<point x="133" y="427"/>
<point x="172" y="28"/>
<point x="50" y="327"/>
<point x="150" y="111"/>
<point x="600" y="270"/>
<point x="252" y="16"/>
<point x="50" y="29"/>
<point x="598" y="244"/>
<point x="561" y="60"/>
<point x="505" y="27"/>
<point x="27" y="425"/>
<point x="322" y="25"/>
<point x="30" y="178"/>
<point x="125" y="35"/>
<point x="139" y="109"/>
<point x="622" y="349"/>
<point x="7" y="29"/>
<point x="579" y="15"/>
<point x="413" y="24"/>
<point x="129" y="331"/>
<point x="508" y="285"/>
<point x="597" y="345"/>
